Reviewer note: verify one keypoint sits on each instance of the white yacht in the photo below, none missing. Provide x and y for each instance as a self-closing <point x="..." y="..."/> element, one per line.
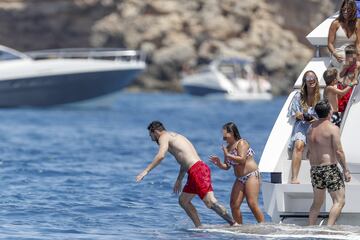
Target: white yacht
<point x="232" y="78"/>
<point x="51" y="77"/>
<point x="290" y="203"/>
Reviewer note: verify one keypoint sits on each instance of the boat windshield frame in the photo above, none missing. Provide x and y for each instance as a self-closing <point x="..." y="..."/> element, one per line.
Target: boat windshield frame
<point x="241" y="68"/>
<point x="114" y="54"/>
<point x="9" y="54"/>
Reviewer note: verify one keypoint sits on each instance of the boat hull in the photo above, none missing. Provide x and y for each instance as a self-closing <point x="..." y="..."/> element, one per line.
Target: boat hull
<point x="234" y="79"/>
<point x="203" y="91"/>
<point x="65" y="88"/>
<point x="290" y="204"/>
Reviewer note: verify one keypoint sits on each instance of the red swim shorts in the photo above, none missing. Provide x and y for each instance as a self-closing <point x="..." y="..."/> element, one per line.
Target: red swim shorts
<point x="199" y="180"/>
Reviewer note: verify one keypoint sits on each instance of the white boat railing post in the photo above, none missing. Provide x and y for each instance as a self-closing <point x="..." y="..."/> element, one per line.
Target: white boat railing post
<point x="317" y="51"/>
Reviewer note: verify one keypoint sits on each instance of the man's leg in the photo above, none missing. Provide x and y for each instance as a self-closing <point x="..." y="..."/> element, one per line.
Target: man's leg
<point x="338" y="198"/>
<point x="319" y="196"/>
<point x="185" y="203"/>
<point x="211" y="202"/>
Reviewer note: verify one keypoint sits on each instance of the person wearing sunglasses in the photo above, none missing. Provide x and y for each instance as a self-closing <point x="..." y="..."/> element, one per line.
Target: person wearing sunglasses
<point x="301" y="109"/>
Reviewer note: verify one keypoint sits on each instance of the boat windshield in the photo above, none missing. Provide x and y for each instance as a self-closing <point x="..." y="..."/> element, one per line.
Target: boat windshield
<point x="228" y="70"/>
<point x="243" y="72"/>
<point x="233" y="71"/>
<point x="5" y="56"/>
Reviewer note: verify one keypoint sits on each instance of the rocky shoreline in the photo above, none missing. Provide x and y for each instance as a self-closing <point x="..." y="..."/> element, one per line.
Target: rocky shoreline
<point x="173" y="34"/>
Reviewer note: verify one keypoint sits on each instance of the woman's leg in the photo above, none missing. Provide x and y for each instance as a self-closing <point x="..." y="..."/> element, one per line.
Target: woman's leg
<point x="296" y="161"/>
<point x="236" y="198"/>
<point x="252" y="189"/>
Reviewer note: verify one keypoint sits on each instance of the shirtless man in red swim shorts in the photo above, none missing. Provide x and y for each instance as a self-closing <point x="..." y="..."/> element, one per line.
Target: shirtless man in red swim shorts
<point x="199" y="177"/>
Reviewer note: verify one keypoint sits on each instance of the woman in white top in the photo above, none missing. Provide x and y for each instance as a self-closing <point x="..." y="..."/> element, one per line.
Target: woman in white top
<point x="344" y="31"/>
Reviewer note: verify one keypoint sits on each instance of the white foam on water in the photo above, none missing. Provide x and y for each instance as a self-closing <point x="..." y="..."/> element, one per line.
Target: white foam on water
<point x="274" y="231"/>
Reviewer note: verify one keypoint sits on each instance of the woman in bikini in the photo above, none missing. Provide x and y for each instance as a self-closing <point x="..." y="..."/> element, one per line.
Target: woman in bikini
<point x="240" y="156"/>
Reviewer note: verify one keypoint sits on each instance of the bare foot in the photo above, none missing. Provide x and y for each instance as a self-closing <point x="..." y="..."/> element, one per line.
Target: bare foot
<point x="295" y="181"/>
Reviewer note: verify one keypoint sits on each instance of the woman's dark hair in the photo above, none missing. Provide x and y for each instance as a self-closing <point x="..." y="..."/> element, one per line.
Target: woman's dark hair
<point x="231" y="127"/>
<point x="156" y="125"/>
<point x="352" y="14"/>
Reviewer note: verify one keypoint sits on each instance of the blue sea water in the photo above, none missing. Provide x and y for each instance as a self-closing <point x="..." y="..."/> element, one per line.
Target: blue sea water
<point x="69" y="172"/>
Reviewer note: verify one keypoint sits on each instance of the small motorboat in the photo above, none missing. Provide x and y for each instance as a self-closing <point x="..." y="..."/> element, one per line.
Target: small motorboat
<point x="61" y="76"/>
<point x="233" y="78"/>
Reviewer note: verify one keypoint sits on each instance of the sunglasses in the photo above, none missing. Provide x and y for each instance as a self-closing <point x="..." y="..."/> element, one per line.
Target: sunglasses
<point x="310" y="78"/>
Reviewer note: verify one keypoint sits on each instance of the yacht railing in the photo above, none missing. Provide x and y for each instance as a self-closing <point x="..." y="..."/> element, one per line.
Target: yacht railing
<point x="321" y="51"/>
<point x="113" y="54"/>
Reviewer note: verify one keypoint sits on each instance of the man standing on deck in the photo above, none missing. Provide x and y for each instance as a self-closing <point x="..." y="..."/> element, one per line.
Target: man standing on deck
<point x="199" y="177"/>
<point x="325" y="151"/>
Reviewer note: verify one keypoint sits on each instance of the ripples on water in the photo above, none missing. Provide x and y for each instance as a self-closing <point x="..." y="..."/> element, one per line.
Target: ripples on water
<point x="68" y="172"/>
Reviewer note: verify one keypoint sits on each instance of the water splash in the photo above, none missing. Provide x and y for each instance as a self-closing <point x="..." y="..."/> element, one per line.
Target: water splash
<point x="285" y="231"/>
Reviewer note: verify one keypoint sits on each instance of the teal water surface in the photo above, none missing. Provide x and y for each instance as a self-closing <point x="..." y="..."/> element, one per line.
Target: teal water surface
<point x="69" y="172"/>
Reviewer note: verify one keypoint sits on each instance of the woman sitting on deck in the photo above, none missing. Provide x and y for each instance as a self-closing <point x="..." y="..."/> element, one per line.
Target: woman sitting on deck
<point x="302" y="109"/>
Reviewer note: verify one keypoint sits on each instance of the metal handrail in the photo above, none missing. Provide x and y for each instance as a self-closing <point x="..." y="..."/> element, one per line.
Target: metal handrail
<point x="89" y="53"/>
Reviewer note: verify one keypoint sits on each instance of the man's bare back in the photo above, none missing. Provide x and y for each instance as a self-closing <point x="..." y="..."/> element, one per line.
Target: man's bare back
<point x="181" y="148"/>
<point x="322" y="136"/>
<point x="325" y="152"/>
<point x="199" y="174"/>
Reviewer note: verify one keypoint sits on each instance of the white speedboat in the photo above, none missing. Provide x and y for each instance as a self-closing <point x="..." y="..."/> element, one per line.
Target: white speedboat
<point x="51" y="77"/>
<point x="232" y="78"/>
<point x="290" y="203"/>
